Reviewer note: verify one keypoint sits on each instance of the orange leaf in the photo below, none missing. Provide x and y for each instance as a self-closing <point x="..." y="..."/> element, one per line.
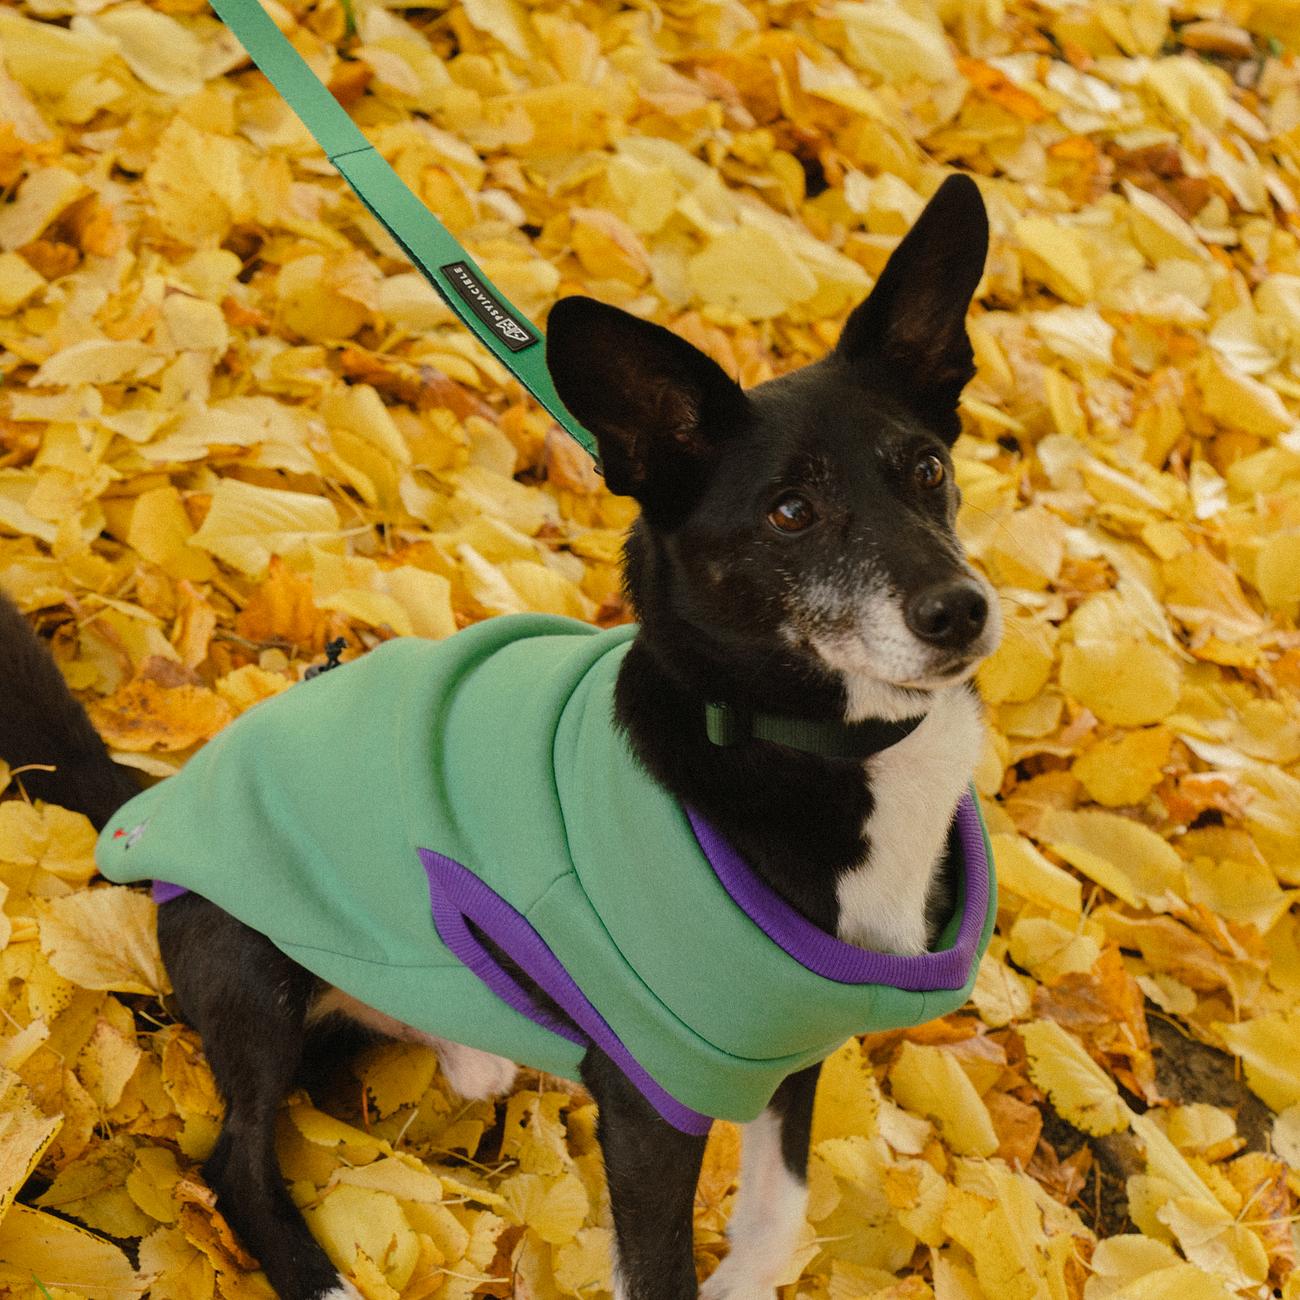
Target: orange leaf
<point x="283" y="609"/>
<point x="1105" y="1008"/>
<point x="1018" y="1126"/>
<point x="142" y="715"/>
<point x="986" y="80"/>
<point x="196" y="621"/>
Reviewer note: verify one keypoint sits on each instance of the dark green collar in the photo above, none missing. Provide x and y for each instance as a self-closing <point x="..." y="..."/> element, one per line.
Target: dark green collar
<point x="728" y="725"/>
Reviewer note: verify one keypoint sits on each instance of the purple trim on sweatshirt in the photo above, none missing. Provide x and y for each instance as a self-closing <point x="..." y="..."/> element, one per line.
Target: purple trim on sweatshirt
<point x="832" y="958"/>
<point x="164" y="893"/>
<point x="457" y="896"/>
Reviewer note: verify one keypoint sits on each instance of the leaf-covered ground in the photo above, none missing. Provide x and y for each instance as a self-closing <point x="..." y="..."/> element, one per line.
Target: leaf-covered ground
<point x="234" y="424"/>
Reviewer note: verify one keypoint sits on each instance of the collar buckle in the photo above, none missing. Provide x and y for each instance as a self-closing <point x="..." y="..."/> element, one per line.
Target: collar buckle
<point x="726" y="724"/>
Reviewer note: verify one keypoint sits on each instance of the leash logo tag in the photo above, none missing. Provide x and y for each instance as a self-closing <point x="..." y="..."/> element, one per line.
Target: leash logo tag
<point x="484" y="304"/>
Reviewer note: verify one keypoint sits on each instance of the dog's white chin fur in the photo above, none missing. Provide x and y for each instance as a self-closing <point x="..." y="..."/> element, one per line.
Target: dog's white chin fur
<point x="940" y="681"/>
<point x="880" y="685"/>
<point x="882" y="662"/>
<point x="916" y="783"/>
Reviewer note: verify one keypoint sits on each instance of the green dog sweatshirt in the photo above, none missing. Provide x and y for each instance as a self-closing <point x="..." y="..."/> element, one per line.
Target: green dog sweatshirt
<point x="375" y="821"/>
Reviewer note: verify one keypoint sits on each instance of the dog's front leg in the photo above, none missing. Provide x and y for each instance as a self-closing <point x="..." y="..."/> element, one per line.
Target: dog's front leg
<point x="768" y="1216"/>
<point x="652" y="1170"/>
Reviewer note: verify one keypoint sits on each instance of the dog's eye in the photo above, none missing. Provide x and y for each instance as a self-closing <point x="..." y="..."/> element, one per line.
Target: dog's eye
<point x="929" y="472"/>
<point x="792" y="513"/>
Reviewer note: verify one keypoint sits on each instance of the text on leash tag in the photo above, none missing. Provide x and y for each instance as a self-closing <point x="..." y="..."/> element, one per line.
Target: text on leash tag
<point x="483" y="303"/>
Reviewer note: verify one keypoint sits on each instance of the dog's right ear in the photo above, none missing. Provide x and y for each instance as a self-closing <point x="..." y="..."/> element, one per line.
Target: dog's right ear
<point x="658" y="407"/>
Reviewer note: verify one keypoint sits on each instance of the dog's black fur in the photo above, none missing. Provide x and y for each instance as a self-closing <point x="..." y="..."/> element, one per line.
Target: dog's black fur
<point x="717" y="588"/>
<point x="43" y="726"/>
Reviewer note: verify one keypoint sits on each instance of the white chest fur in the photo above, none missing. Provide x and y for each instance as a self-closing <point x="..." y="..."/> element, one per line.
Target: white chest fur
<point x="915" y="786"/>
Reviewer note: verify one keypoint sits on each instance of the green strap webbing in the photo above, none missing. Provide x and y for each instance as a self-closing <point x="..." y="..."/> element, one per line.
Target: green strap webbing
<point x="504" y="330"/>
<point x="727" y="725"/>
<point x="433" y="250"/>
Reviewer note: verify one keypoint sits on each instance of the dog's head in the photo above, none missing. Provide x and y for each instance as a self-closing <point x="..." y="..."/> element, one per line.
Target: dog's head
<point x="811" y="516"/>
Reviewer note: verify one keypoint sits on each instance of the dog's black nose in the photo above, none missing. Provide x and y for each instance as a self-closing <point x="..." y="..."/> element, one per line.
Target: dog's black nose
<point x="949" y="614"/>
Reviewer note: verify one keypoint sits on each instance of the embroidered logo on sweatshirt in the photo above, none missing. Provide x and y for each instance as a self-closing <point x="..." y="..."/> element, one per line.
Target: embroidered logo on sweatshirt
<point x="132" y="837"/>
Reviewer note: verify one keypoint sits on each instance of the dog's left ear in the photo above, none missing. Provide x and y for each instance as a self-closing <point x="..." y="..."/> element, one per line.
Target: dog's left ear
<point x="910" y="333"/>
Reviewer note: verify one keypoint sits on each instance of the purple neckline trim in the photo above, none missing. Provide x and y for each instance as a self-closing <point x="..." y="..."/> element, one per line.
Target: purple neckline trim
<point x="457" y="895"/>
<point x="164" y="893"/>
<point x="832" y="958"/>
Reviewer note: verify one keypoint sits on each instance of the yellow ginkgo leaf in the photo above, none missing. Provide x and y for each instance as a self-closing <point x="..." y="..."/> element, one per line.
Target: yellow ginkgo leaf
<point x="1266" y="1046"/>
<point x="1025" y="871"/>
<point x="1077" y="1086"/>
<point x="553" y="1208"/>
<point x="1128" y="681"/>
<point x="1212" y="1240"/>
<point x="246" y="525"/>
<point x="160" y="530"/>
<point x="1001" y="994"/>
<point x="25" y="1133"/>
<point x="351" y="1220"/>
<point x="174" y="1268"/>
<point x="931" y="1082"/>
<point x="1119" y="853"/>
<point x="583" y="1264"/>
<point x="848" y="1097"/>
<point x="93" y="1191"/>
<point x="79" y="1263"/>
<point x="105" y="939"/>
<point x="1124" y="769"/>
<point x="1050" y="950"/>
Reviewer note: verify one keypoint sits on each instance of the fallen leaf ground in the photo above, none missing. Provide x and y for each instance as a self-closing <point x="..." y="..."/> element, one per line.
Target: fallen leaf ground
<point x="234" y="424"/>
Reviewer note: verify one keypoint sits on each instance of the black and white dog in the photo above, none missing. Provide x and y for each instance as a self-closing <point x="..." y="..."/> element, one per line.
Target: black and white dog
<point x="795" y="554"/>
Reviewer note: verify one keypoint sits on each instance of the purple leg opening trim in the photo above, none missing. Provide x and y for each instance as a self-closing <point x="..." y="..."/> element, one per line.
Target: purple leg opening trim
<point x="457" y="895"/>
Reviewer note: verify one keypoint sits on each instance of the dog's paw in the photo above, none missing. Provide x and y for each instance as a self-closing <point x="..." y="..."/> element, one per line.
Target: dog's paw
<point x="473" y="1074"/>
<point x="736" y="1284"/>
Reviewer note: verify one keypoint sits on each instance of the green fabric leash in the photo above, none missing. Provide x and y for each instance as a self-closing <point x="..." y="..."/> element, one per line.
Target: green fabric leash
<point x="504" y="330"/>
<point x="501" y="327"/>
